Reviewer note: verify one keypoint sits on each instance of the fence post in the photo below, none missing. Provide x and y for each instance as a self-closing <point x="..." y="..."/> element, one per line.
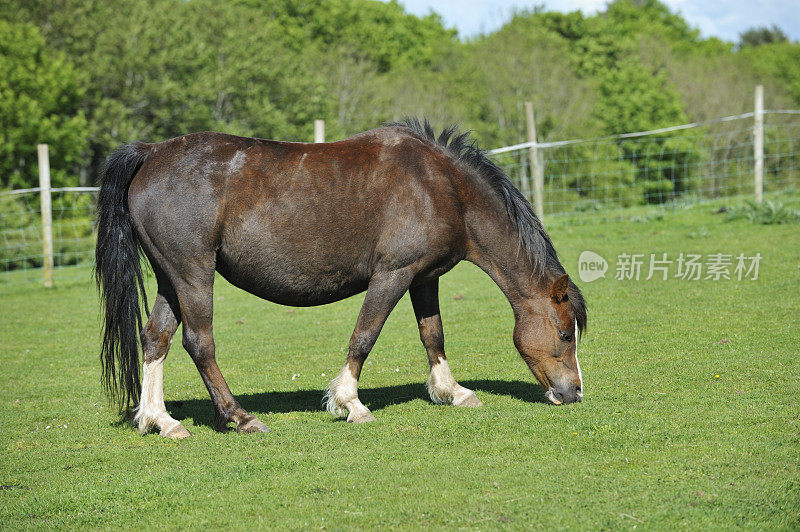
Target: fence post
<point x="319" y="131"/>
<point x="758" y="143"/>
<point x="47" y="214"/>
<point x="537" y="170"/>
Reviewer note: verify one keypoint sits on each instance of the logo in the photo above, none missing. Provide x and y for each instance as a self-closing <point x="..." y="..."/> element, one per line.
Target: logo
<point x="684" y="266"/>
<point x="591" y="266"/>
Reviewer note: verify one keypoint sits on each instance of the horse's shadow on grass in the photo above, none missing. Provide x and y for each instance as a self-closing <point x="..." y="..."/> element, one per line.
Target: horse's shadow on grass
<point x="202" y="411"/>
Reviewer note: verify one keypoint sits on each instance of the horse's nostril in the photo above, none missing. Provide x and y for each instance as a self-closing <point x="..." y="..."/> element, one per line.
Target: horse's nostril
<point x="559" y="396"/>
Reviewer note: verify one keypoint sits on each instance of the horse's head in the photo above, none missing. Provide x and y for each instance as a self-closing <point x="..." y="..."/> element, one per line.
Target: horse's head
<point x="546" y="335"/>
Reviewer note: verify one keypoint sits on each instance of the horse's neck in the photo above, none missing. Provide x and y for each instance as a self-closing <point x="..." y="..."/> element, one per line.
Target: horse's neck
<point x="495" y="248"/>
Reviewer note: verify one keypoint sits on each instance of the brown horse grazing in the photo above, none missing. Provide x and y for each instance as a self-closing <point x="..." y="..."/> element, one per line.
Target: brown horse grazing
<point x="386" y="211"/>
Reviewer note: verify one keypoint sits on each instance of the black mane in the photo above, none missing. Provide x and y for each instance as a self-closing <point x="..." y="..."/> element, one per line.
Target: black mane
<point x="533" y="239"/>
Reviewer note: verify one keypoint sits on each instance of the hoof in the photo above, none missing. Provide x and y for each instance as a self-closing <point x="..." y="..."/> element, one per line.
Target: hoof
<point x="363" y="416"/>
<point x="470" y="401"/>
<point x="178" y="432"/>
<point x="252" y="426"/>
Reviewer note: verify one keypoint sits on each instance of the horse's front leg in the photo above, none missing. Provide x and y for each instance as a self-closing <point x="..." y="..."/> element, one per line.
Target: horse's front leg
<point x="384" y="291"/>
<point x="442" y="387"/>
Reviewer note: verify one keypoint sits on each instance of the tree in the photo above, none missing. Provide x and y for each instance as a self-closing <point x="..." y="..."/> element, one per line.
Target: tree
<point x="162" y="68"/>
<point x="762" y="35"/>
<point x="525" y="61"/>
<point x="40" y="96"/>
<point x="636" y="95"/>
<point x="153" y="69"/>
<point x="776" y="62"/>
<point x="380" y="32"/>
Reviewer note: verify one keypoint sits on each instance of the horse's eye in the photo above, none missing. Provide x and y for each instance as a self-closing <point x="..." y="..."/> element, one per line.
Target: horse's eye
<point x="565" y="336"/>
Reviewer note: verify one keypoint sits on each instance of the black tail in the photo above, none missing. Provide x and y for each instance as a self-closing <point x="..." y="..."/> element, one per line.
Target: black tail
<point x="119" y="277"/>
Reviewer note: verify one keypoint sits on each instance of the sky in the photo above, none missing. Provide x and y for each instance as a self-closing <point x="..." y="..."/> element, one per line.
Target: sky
<point x="724" y="19"/>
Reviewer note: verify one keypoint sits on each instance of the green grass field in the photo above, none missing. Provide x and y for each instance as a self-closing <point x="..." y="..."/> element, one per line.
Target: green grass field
<point x="690" y="418"/>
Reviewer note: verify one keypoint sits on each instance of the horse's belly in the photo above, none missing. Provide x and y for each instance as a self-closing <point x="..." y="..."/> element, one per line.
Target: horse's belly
<point x="290" y="280"/>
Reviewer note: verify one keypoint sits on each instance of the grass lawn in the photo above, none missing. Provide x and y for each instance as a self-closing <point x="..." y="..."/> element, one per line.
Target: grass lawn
<point x="690" y="418"/>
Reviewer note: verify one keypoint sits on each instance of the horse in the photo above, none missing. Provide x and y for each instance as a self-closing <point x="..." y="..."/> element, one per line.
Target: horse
<point x="387" y="211"/>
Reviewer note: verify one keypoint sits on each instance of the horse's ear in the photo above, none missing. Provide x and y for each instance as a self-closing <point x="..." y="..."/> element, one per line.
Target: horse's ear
<point x="559" y="289"/>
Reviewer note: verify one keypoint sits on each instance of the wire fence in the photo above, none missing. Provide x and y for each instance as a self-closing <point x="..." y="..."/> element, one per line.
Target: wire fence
<point x="21" y="247"/>
<point x="608" y="177"/>
<point x="691" y="162"/>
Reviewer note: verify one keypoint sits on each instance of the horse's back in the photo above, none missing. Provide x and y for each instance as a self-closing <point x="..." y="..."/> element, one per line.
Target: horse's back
<point x="298" y="223"/>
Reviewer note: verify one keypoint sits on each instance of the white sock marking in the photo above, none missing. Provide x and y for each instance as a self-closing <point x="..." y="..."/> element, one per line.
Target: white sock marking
<point x="341" y="397"/>
<point x="443" y="388"/>
<point x="151" y="410"/>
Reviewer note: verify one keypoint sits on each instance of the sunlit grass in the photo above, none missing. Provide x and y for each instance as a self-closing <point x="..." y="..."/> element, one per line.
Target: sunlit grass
<point x="690" y="417"/>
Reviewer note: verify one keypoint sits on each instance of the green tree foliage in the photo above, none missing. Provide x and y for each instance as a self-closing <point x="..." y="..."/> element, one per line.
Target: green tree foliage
<point x="40" y="93"/>
<point x="778" y="61"/>
<point x="167" y="67"/>
<point x="522" y="61"/>
<point x="366" y="52"/>
<point x="762" y="35"/>
<point x="633" y="92"/>
<point x="379" y="32"/>
<point x="153" y="69"/>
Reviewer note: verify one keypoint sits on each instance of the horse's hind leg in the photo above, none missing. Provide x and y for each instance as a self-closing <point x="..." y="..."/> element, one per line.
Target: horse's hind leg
<point x="382" y="295"/>
<point x="442" y="387"/>
<point x="198" y="340"/>
<point x="156" y="338"/>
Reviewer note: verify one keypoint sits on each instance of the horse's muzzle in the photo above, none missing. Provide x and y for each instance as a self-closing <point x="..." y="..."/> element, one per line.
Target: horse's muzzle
<point x="564" y="394"/>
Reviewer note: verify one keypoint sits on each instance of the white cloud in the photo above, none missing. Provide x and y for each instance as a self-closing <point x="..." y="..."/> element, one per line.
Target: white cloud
<point x="720" y="18"/>
<point x="728" y="18"/>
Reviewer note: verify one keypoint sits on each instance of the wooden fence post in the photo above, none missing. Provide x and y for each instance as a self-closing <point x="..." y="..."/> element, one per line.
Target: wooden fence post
<point x="319" y="131"/>
<point x="47" y="214"/>
<point x="758" y="144"/>
<point x="537" y="166"/>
